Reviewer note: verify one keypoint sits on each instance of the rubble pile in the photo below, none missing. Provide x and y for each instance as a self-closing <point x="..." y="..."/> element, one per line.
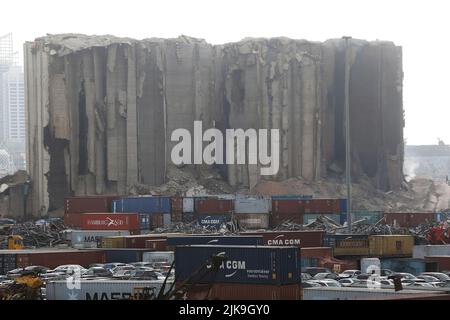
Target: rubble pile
<point x="37" y="235"/>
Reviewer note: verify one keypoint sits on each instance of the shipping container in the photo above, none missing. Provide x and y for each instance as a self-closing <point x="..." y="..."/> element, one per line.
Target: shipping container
<point x="113" y="242"/>
<point x="316" y="252"/>
<point x="285" y="206"/>
<point x="176" y="204"/>
<point x="413" y="266"/>
<point x="166" y="220"/>
<point x="242" y="264"/>
<point x="292" y="197"/>
<point x="156" y="244"/>
<point x="91" y="238"/>
<point x="311" y="217"/>
<point x="188" y="205"/>
<point x="419" y="252"/>
<point x="124" y="255"/>
<point x="144" y="221"/>
<point x="237" y="291"/>
<point x="442" y="262"/>
<point x="343" y="204"/>
<point x="156" y="221"/>
<point x="370" y="217"/>
<point x="370" y="264"/>
<point x="213" y="206"/>
<point x="102" y="289"/>
<point x="138" y="241"/>
<point x="408" y="220"/>
<point x="72" y="219"/>
<point x="252" y="221"/>
<point x="302" y="238"/>
<point x="252" y="205"/>
<point x="214" y="240"/>
<point x="159" y="256"/>
<point x="53" y="258"/>
<point x="346" y="293"/>
<point x="85" y="204"/>
<point x="278" y="218"/>
<point x="321" y="205"/>
<point x="105" y="221"/>
<point x="145" y="204"/>
<point x="215" y="220"/>
<point x="348" y="244"/>
<point x="391" y="245"/>
<point x="337" y="265"/>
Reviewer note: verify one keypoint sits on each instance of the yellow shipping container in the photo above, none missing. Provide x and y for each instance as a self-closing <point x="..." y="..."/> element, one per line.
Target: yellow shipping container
<point x="351" y="247"/>
<point x="391" y="245"/>
<point x="113" y="242"/>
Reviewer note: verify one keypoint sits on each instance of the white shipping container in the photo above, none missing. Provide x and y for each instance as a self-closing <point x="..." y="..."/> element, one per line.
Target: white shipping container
<point x="99" y="289"/>
<point x="253" y="220"/>
<point x="158" y="256"/>
<point x="252" y="205"/>
<point x="91" y="238"/>
<point x="188" y="205"/>
<point x="345" y="293"/>
<point x="419" y="252"/>
<point x="369" y="264"/>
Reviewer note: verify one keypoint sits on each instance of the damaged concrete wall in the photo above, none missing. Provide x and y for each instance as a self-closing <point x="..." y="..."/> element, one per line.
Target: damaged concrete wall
<point x="101" y="110"/>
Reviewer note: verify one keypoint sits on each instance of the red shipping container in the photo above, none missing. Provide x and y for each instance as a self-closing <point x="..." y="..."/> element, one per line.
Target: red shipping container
<point x="156" y="221"/>
<point x="213" y="206"/>
<point x="316" y="252"/>
<point x="72" y="219"/>
<point x="443" y="262"/>
<point x="287" y="206"/>
<point x="238" y="291"/>
<point x="408" y="220"/>
<point x="156" y="244"/>
<point x="321" y="206"/>
<point x="85" y="204"/>
<point x="301" y="239"/>
<point x="109" y="221"/>
<point x="177" y="204"/>
<point x="278" y="218"/>
<point x="54" y="258"/>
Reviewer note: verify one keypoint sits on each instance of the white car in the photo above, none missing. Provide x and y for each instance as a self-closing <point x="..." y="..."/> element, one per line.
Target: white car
<point x="349" y="274"/>
<point x="346" y="282"/>
<point x="68" y="269"/>
<point x="327" y="283"/>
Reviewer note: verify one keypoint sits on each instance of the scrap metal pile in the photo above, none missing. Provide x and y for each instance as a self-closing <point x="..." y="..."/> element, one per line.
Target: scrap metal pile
<point x="36" y="234"/>
<point x="195" y="228"/>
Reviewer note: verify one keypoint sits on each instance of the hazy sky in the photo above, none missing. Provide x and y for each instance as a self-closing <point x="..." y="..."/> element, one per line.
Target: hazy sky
<point x="420" y="27"/>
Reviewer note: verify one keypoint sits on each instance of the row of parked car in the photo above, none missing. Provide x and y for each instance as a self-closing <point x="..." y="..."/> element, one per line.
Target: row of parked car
<point x="323" y="277"/>
<point x="117" y="271"/>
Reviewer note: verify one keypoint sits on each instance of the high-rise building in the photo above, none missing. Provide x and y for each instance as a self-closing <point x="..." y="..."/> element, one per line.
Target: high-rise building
<point x="12" y="104"/>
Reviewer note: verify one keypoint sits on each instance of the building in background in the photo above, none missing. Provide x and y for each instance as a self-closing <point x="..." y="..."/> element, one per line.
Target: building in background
<point x="12" y="108"/>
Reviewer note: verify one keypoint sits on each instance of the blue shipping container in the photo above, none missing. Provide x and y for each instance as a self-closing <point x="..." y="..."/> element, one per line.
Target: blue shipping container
<point x="213" y="220"/>
<point x="413" y="266"/>
<point x="144" y="221"/>
<point x="143" y="205"/>
<point x="343" y="205"/>
<point x="216" y="240"/>
<point x="243" y="264"/>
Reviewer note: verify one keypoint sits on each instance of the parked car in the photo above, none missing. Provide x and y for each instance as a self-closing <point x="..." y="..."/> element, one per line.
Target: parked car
<point x="365" y="283"/>
<point x="102" y="265"/>
<point x="406" y="276"/>
<point x="387" y="282"/>
<point x="326" y="275"/>
<point x="112" y="265"/>
<point x="142" y="264"/>
<point x="439" y="275"/>
<point x="349" y="273"/>
<point x="126" y="267"/>
<point x="327" y="283"/>
<point x="310" y="284"/>
<point x="68" y="269"/>
<point x="96" y="272"/>
<point x="315" y="270"/>
<point x="19" y="271"/>
<point x="428" y="278"/>
<point x="305" y="276"/>
<point x="346" y="282"/>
